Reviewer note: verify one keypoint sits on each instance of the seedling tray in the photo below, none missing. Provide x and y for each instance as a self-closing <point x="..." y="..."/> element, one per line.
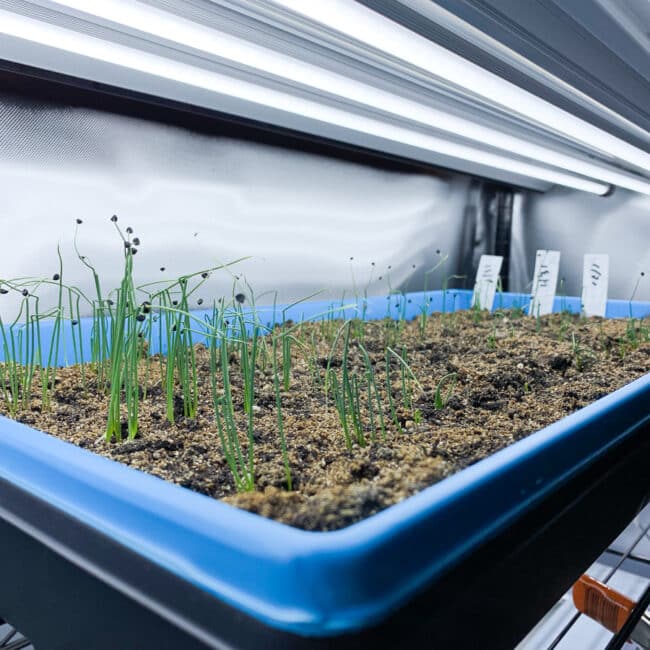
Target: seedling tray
<point x="97" y="554"/>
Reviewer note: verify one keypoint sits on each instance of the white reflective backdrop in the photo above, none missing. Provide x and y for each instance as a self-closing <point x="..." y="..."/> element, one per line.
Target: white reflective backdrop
<point x="576" y="223"/>
<point x="196" y="200"/>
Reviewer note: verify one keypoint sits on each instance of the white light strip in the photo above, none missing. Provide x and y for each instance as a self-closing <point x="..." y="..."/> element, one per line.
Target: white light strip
<point x="466" y="31"/>
<point x="73" y="42"/>
<point x="163" y="25"/>
<point x="369" y="27"/>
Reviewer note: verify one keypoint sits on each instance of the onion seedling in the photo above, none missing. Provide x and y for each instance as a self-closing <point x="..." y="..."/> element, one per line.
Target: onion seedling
<point x="242" y="469"/>
<point x="389" y="393"/>
<point x="288" y="340"/>
<point x="248" y="363"/>
<point x="424" y="308"/>
<point x="406" y="391"/>
<point x="373" y="393"/>
<point x="405" y="369"/>
<point x="350" y="388"/>
<point x="11" y="368"/>
<point x="440" y="401"/>
<point x="123" y="354"/>
<point x="338" y="396"/>
<point x="278" y="406"/>
<point x="102" y="315"/>
<point x="631" y="329"/>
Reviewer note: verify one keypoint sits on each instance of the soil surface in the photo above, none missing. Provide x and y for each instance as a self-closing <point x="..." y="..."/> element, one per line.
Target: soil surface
<point x="511" y="376"/>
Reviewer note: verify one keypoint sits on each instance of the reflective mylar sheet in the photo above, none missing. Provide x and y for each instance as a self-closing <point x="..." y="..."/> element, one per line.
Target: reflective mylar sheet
<point x="576" y="223"/>
<point x="197" y="200"/>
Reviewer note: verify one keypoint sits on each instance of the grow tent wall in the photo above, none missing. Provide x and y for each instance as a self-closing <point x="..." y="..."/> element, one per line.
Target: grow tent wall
<point x="197" y="198"/>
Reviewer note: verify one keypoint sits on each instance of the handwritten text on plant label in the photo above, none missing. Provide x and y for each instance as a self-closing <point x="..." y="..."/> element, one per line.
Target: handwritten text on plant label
<point x="595" y="278"/>
<point x="547" y="266"/>
<point x="487" y="276"/>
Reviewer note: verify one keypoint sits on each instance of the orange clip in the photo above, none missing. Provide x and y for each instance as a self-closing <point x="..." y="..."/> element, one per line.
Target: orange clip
<point x="598" y="601"/>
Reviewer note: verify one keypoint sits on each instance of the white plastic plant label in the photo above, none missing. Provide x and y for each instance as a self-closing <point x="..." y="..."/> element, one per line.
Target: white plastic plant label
<point x="595" y="278"/>
<point x="547" y="266"/>
<point x="487" y="277"/>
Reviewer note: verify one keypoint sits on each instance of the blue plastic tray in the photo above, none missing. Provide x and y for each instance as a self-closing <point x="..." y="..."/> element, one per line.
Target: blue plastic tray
<point x="363" y="572"/>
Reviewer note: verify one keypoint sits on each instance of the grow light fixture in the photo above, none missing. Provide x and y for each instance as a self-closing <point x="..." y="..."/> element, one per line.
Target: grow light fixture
<point x="189" y="34"/>
<point x="368" y="27"/>
<point x="318" y="99"/>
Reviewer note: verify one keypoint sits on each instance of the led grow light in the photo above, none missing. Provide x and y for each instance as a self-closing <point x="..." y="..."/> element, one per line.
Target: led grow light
<point x="372" y="29"/>
<point x="168" y="27"/>
<point x="171" y="28"/>
<point x="68" y="41"/>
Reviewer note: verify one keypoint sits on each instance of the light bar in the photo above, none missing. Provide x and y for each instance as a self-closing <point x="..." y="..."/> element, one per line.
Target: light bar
<point x="469" y="33"/>
<point x="191" y="35"/>
<point x="107" y="52"/>
<point x="366" y="26"/>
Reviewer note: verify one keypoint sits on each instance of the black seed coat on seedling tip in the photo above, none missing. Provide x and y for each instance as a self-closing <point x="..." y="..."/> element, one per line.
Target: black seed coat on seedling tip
<point x="204" y="275"/>
<point x="25" y="292"/>
<point x="136" y="241"/>
<point x="140" y="317"/>
<point x="3" y="291"/>
<point x="129" y="230"/>
<point x="79" y="221"/>
<point x="56" y="277"/>
<point x="114" y="218"/>
<point x="199" y="301"/>
<point x="133" y="251"/>
<point x="75" y="322"/>
<point x="240" y="298"/>
<point x="127" y="244"/>
<point x="162" y="268"/>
